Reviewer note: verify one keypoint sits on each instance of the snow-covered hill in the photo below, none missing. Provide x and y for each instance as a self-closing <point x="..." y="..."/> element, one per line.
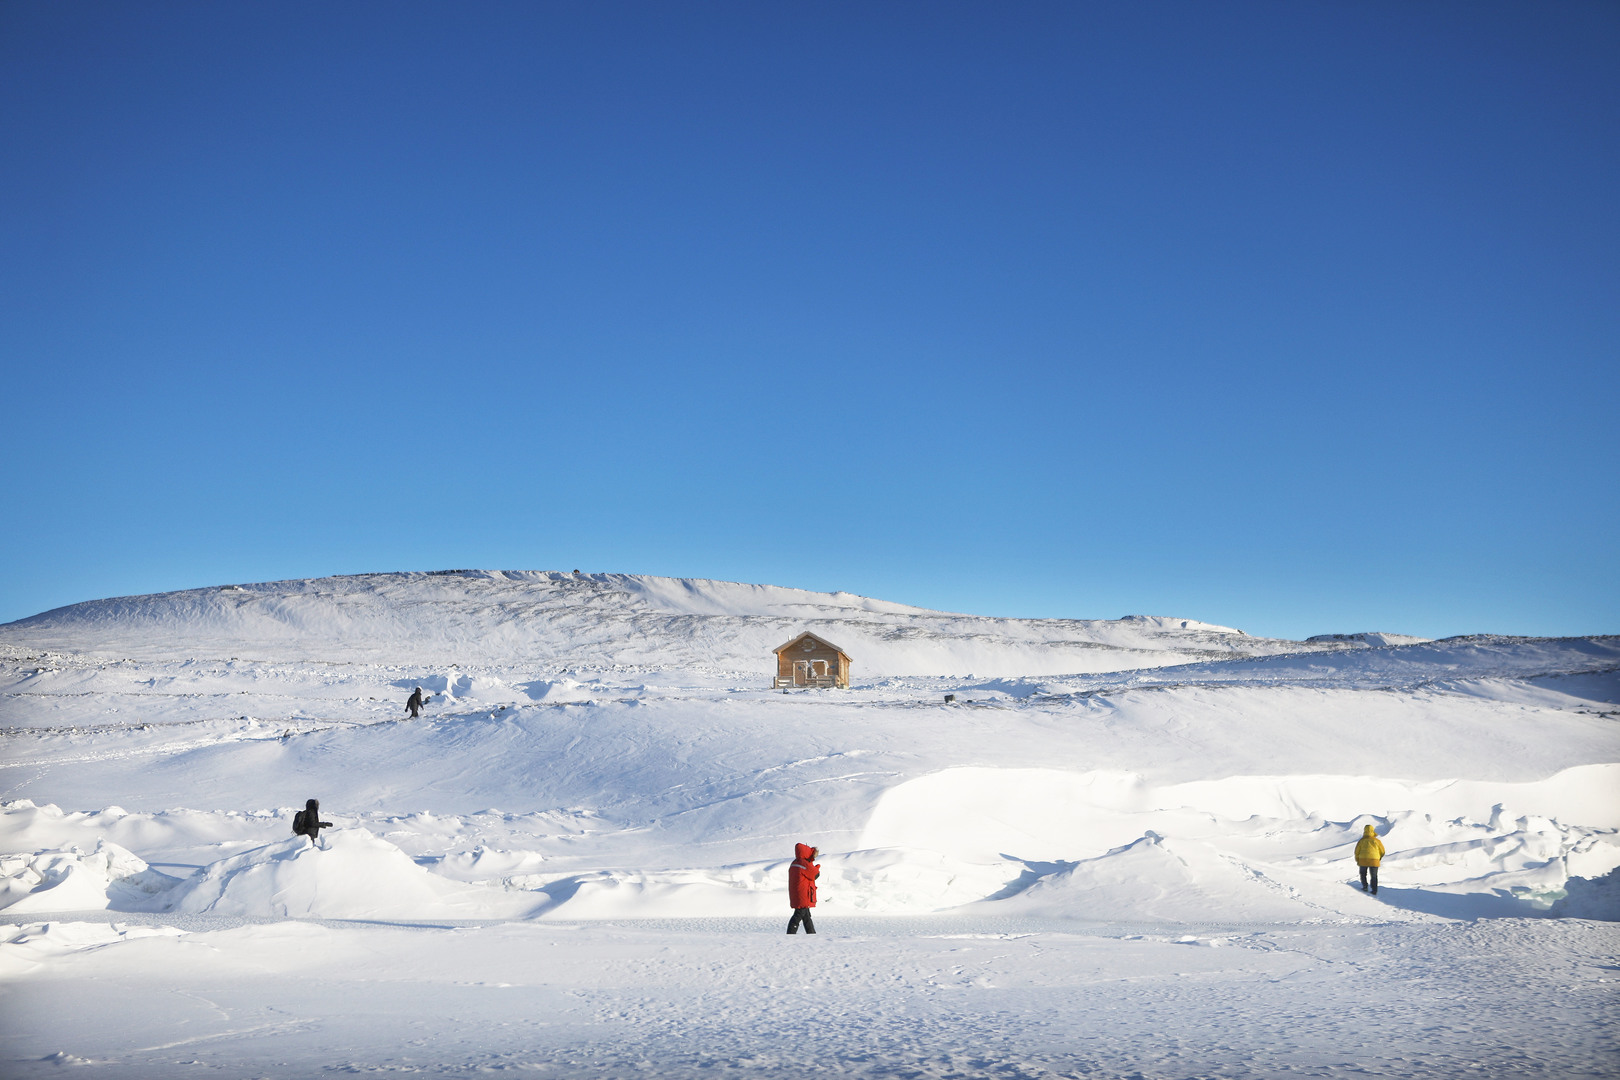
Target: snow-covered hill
<point x="1365" y="638"/>
<point x="561" y="620"/>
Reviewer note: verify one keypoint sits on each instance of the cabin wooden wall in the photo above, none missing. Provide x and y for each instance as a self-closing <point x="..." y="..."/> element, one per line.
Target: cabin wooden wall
<point x="837" y="665"/>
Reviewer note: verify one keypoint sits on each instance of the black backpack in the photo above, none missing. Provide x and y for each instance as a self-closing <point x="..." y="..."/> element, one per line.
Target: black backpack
<point x="298" y="823"/>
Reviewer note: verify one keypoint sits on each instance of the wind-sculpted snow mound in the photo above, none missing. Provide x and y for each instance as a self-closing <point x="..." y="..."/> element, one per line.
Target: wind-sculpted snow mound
<point x="1105" y="845"/>
<point x="70" y="880"/>
<point x="1046" y="814"/>
<point x="350" y="874"/>
<point x="874" y="882"/>
<point x="1591" y="898"/>
<point x="1159" y="881"/>
<point x="731" y="891"/>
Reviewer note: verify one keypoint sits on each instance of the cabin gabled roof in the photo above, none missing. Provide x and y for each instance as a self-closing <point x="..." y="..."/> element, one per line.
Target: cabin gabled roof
<point x="814" y="637"/>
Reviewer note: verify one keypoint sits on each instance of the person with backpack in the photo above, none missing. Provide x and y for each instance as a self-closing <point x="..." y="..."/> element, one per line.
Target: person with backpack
<point x="414" y="706"/>
<point x="1369" y="853"/>
<point x="802" y="887"/>
<point x="307" y="822"/>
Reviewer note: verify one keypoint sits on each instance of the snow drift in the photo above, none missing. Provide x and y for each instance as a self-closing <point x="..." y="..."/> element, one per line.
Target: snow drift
<point x="71" y="880"/>
<point x="349" y="874"/>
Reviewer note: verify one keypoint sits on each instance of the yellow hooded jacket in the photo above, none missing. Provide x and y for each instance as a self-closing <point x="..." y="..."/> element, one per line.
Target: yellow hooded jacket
<point x="1369" y="849"/>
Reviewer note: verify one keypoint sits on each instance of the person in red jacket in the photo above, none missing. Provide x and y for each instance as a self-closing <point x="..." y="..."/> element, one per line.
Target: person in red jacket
<point x="802" y="888"/>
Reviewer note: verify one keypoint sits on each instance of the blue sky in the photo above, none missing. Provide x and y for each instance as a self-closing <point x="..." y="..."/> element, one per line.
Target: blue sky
<point x="1295" y="317"/>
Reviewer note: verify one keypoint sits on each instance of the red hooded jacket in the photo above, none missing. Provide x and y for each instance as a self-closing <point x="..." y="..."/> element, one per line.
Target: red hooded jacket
<point x="802" y="877"/>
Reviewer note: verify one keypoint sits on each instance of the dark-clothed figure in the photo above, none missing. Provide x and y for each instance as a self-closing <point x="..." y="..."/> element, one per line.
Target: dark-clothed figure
<point x="1369" y="853"/>
<point x="802" y="888"/>
<point x="414" y="706"/>
<point x="307" y="822"/>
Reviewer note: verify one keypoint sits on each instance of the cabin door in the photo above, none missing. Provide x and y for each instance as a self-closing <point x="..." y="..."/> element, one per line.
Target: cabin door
<point x="801" y="672"/>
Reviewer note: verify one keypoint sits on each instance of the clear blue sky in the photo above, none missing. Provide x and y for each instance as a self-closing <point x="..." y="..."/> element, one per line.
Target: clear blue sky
<point x="1296" y="317"/>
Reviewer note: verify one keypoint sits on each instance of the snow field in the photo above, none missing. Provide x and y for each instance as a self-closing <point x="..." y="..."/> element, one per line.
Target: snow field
<point x="943" y="998"/>
<point x="1125" y="849"/>
<point x="653" y="799"/>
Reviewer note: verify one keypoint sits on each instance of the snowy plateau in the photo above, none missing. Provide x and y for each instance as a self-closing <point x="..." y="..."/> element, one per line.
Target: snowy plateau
<point x="1123" y="850"/>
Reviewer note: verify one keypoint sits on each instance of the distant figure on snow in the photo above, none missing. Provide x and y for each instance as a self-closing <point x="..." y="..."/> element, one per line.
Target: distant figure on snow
<point x="414" y="706"/>
<point x="1369" y="852"/>
<point x="307" y="822"/>
<point x="802" y="887"/>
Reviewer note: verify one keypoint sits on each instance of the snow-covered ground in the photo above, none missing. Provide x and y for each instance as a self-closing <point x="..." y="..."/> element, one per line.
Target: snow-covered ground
<point x="1123" y="849"/>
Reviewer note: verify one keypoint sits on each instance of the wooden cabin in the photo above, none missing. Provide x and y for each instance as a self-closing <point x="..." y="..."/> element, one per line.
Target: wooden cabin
<point x="811" y="661"/>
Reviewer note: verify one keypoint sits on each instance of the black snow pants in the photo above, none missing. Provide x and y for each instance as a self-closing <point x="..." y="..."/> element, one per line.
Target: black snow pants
<point x="801" y="914"/>
<point x="1365" y="870"/>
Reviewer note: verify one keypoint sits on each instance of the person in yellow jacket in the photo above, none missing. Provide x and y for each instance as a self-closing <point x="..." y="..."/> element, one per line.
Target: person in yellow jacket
<point x="1369" y="853"/>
